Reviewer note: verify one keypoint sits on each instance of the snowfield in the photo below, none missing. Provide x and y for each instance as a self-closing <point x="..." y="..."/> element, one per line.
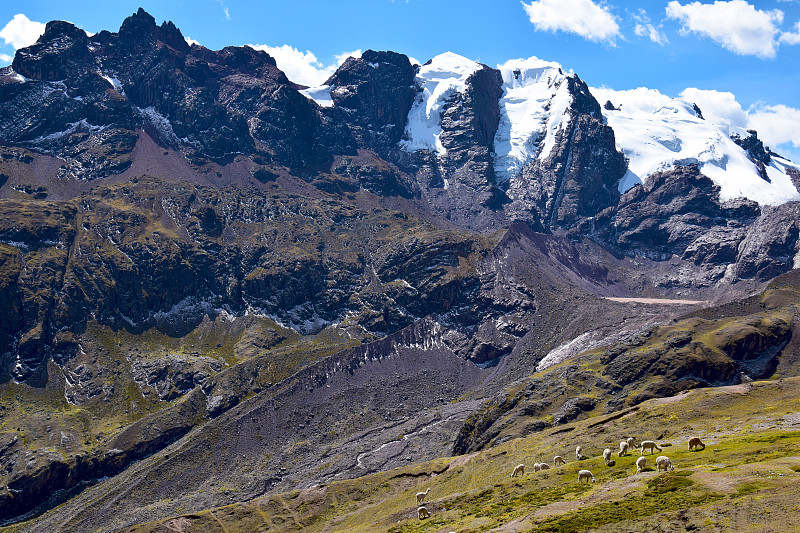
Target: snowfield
<point x="533" y="109"/>
<point x="656" y="138"/>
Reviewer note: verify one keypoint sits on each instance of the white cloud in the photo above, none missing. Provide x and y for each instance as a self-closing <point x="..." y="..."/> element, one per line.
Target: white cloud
<point x="341" y="58"/>
<point x="776" y="124"/>
<point x="791" y="38"/>
<point x="5" y="58"/>
<point x="303" y="67"/>
<point x="717" y="106"/>
<point x="651" y="31"/>
<point x="583" y="17"/>
<point x="736" y="25"/>
<point x="191" y="41"/>
<point x="644" y="28"/>
<point x="21" y="31"/>
<point x="225" y="9"/>
<point x="640" y="99"/>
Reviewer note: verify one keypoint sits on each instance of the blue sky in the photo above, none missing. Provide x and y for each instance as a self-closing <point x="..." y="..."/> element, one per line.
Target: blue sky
<point x="747" y="48"/>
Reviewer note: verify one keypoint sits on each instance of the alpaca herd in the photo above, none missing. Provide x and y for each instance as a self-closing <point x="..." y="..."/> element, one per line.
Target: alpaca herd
<point x="585" y="476"/>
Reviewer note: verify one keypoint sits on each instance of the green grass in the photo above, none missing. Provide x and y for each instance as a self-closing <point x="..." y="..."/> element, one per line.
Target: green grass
<point x="476" y="493"/>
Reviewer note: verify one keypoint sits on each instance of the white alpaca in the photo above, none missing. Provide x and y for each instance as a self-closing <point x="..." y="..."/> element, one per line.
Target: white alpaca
<point x="663" y="461"/>
<point x="649" y="445"/>
<point x="623" y="448"/>
<point x="536" y="466"/>
<point x="585" y="475"/>
<point x="631" y="442"/>
<point x="421" y="495"/>
<point x="695" y="442"/>
<point x="519" y="470"/>
<point x="422" y="512"/>
<point x="558" y="460"/>
<point x="578" y="455"/>
<point x="544" y="466"/>
<point x="607" y="455"/>
<point x="640" y="462"/>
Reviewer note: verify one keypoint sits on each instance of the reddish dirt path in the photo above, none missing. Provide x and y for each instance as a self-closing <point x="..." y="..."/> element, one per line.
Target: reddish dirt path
<point x="657" y="301"/>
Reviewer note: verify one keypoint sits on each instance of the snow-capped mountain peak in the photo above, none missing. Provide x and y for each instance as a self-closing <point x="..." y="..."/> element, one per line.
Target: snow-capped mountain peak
<point x="676" y="134"/>
<point x="532" y="110"/>
<point x="438" y="80"/>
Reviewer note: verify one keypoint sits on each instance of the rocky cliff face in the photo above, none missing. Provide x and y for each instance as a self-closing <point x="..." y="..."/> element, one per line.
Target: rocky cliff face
<point x="88" y="102"/>
<point x="679" y="213"/>
<point x="579" y="177"/>
<point x="144" y="254"/>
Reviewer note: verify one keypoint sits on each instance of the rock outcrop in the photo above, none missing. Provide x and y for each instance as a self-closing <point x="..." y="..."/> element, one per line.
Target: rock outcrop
<point x="579" y="177"/>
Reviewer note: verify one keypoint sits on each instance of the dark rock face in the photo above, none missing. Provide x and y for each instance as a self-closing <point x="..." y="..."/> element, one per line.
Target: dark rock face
<point x="148" y="76"/>
<point x="460" y="184"/>
<point x="174" y="376"/>
<point x="376" y="92"/>
<point x="130" y="276"/>
<point x="469" y="124"/>
<point x="679" y="213"/>
<point x="580" y="176"/>
<point x="771" y="245"/>
<point x="754" y="147"/>
<point x="755" y="151"/>
<point x="62" y="52"/>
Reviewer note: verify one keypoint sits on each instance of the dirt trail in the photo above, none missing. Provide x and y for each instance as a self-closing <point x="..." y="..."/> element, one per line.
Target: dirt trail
<point x="664" y="301"/>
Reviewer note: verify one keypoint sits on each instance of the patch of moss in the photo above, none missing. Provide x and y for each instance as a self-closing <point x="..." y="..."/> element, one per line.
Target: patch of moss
<point x="667" y="492"/>
<point x="746" y="489"/>
<point x="669" y="482"/>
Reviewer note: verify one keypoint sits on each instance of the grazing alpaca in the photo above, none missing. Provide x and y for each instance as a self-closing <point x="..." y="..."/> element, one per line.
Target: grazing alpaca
<point x="663" y="461"/>
<point x="640" y="462"/>
<point x="422" y="512"/>
<point x="421" y="496"/>
<point x="519" y="470"/>
<point x="623" y="448"/>
<point x="631" y="442"/>
<point x="544" y="466"/>
<point x="558" y="460"/>
<point x="695" y="442"/>
<point x="585" y="475"/>
<point x="578" y="455"/>
<point x="607" y="455"/>
<point x="649" y="445"/>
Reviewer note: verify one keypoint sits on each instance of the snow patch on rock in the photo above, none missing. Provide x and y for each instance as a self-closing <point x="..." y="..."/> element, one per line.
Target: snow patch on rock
<point x="72" y="127"/>
<point x="320" y="94"/>
<point x="160" y="123"/>
<point x="533" y="109"/>
<point x="114" y="82"/>
<point x="439" y="79"/>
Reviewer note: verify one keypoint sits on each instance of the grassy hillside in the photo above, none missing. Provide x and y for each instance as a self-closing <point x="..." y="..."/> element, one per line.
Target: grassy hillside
<point x="745" y="480"/>
<point x="751" y="338"/>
